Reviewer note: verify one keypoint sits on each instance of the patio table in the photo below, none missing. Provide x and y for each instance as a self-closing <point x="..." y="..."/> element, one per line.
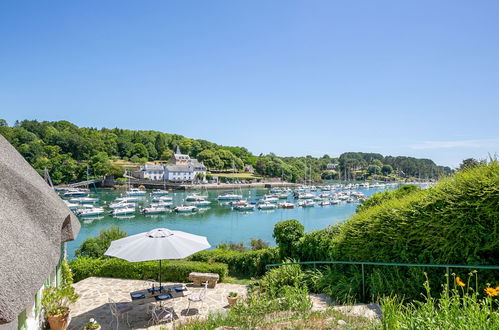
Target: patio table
<point x="166" y="293"/>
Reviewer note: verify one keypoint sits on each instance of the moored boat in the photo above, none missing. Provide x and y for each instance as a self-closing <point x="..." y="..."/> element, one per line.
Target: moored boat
<point x="286" y="205"/>
<point x="91" y="212"/>
<point x="185" y="209"/>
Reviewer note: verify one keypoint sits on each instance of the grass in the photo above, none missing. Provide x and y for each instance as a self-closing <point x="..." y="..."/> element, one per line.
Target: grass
<point x="245" y="175"/>
<point x="243" y="280"/>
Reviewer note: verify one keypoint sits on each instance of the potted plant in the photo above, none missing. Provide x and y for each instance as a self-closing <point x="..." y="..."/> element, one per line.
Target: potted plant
<point x="56" y="301"/>
<point x="232" y="298"/>
<point x="92" y="325"/>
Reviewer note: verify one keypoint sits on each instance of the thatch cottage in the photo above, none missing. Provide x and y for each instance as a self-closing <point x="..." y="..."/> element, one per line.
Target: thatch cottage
<point x="34" y="226"/>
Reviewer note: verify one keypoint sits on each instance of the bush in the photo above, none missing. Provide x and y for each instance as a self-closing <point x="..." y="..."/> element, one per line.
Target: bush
<point x="250" y="263"/>
<point x="380" y="197"/>
<point x="277" y="280"/>
<point x="287" y="235"/>
<point x="95" y="247"/>
<point x="454" y="222"/>
<point x="171" y="270"/>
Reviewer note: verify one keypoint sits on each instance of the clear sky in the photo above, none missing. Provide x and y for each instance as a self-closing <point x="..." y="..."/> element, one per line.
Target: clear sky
<point x="418" y="78"/>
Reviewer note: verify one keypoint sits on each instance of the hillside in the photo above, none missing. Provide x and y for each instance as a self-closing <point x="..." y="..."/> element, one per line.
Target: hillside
<point x="65" y="150"/>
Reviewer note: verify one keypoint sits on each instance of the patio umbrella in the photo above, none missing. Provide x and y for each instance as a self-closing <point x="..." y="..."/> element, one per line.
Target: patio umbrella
<point x="157" y="244"/>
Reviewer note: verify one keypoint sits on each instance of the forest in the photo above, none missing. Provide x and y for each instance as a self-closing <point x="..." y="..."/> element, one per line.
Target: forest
<point x="66" y="151"/>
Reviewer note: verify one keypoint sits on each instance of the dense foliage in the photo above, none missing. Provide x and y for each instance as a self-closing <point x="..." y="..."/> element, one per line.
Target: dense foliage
<point x="454" y="222"/>
<point x="382" y="196"/>
<point x="249" y="263"/>
<point x="287" y="235"/>
<point x="172" y="270"/>
<point x="66" y="149"/>
<point x="96" y="246"/>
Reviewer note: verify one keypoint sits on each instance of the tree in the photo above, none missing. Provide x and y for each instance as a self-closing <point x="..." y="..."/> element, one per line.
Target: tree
<point x="210" y="159"/>
<point x="140" y="150"/>
<point x="287" y="235"/>
<point x="3" y="123"/>
<point x="95" y="247"/>
<point x="166" y="154"/>
<point x="469" y="163"/>
<point x="386" y="169"/>
<point x="100" y="164"/>
<point x="151" y="150"/>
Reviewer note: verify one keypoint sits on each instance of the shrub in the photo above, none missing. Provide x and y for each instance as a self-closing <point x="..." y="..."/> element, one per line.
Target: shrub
<point x="172" y="270"/>
<point x="287" y="235"/>
<point x="250" y="263"/>
<point x="281" y="278"/>
<point x="258" y="244"/>
<point x="95" y="247"/>
<point x="454" y="222"/>
<point x="380" y="197"/>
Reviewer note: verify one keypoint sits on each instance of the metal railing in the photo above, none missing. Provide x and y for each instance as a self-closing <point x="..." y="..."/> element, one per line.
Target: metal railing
<point x="397" y="264"/>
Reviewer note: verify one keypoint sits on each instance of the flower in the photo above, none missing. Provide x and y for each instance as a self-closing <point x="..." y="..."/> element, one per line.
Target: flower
<point x="459" y="282"/>
<point x="492" y="292"/>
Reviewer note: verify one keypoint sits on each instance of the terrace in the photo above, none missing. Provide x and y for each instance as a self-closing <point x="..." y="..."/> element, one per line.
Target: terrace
<point x="95" y="293"/>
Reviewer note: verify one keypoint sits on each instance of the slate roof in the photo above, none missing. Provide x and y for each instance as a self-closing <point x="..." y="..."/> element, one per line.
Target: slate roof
<point x="34" y="221"/>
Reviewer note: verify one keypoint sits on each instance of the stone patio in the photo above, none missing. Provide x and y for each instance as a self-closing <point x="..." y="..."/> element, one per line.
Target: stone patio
<point x="96" y="291"/>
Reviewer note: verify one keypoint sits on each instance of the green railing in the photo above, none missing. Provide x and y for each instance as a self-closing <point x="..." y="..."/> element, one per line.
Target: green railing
<point x="364" y="263"/>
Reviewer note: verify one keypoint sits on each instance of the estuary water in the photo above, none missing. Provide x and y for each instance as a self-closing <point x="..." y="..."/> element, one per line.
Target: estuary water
<point x="219" y="223"/>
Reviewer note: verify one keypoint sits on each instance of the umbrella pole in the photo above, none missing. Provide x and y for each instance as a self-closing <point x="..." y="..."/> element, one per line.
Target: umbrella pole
<point x="160" y="273"/>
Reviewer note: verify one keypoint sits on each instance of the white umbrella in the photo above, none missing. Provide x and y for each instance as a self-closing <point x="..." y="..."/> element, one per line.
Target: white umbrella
<point x="157" y="244"/>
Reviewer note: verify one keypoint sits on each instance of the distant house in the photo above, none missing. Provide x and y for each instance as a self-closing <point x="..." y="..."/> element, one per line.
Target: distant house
<point x="182" y="169"/>
<point x="331" y="166"/>
<point x="248" y="168"/>
<point x="35" y="225"/>
<point x="152" y="172"/>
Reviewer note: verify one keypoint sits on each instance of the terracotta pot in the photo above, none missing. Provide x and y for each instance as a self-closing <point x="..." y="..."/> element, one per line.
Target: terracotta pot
<point x="232" y="300"/>
<point x="59" y="322"/>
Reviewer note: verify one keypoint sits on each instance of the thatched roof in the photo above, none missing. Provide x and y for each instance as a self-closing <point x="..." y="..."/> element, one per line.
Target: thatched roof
<point x="34" y="222"/>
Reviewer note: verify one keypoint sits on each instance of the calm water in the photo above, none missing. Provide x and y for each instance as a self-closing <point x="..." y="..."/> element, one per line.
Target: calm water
<point x="219" y="223"/>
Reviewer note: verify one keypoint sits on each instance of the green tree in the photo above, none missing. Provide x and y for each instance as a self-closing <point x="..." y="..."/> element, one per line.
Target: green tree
<point x="140" y="150"/>
<point x="166" y="154"/>
<point x="287" y="235"/>
<point x="100" y="164"/>
<point x="95" y="247"/>
<point x="386" y="169"/>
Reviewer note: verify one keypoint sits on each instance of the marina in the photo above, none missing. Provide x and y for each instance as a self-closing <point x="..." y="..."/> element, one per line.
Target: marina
<point x="223" y="216"/>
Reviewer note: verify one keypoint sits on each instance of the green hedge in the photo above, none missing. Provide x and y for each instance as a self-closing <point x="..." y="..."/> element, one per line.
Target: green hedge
<point x="250" y="263"/>
<point x="455" y="222"/>
<point x="172" y="270"/>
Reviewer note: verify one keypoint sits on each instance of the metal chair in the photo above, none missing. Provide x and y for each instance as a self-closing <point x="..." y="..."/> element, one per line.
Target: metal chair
<point x="119" y="309"/>
<point x="160" y="314"/>
<point x="197" y="297"/>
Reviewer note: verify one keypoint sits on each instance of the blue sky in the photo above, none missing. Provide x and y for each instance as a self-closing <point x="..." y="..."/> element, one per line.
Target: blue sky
<point x="418" y="78"/>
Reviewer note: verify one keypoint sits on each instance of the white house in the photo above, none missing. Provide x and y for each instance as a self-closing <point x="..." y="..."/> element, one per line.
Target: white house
<point x="182" y="169"/>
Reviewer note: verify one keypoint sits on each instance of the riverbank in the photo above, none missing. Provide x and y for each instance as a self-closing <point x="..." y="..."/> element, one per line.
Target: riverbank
<point x="148" y="184"/>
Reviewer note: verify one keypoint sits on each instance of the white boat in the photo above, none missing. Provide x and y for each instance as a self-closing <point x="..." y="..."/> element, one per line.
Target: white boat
<point x="92" y="212"/>
<point x="325" y="203"/>
<point x="283" y="195"/>
<point x="162" y="199"/>
<point x="121" y="205"/>
<point x="162" y="204"/>
<point x="229" y="197"/>
<point x="185" y="209"/>
<point x="135" y="192"/>
<point x="83" y="200"/>
<point x="195" y="198"/>
<point x="286" y="205"/>
<point x="159" y="192"/>
<point x="266" y="206"/>
<point x="335" y="201"/>
<point x="307" y="203"/>
<point x="123" y="211"/>
<point x="76" y="193"/>
<point x="127" y="199"/>
<point x="201" y="203"/>
<point x="269" y="199"/>
<point x="244" y="207"/>
<point x="305" y="195"/>
<point x="154" y="210"/>
<point x="71" y="206"/>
